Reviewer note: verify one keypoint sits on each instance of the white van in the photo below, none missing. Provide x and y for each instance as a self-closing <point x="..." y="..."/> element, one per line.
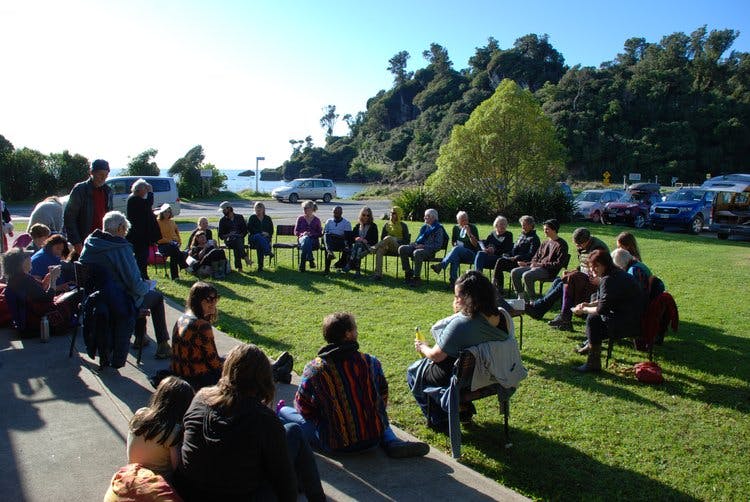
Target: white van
<point x="165" y="190"/>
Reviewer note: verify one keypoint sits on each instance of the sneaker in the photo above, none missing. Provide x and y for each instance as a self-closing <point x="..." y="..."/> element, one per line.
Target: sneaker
<point x="280" y="405"/>
<point x="559" y="319"/>
<point x="373" y="249"/>
<point x="437" y="267"/>
<point x="163" y="351"/>
<point x="406" y="449"/>
<point x="533" y="312"/>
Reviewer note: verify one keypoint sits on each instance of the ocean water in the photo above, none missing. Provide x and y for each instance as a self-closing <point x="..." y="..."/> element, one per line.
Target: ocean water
<point x="236" y="183"/>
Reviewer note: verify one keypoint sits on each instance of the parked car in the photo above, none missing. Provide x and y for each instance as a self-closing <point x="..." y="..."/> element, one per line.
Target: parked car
<point x="689" y="208"/>
<point x="633" y="207"/>
<point x="165" y="190"/>
<point x="730" y="213"/>
<point x="590" y="203"/>
<point x="305" y="188"/>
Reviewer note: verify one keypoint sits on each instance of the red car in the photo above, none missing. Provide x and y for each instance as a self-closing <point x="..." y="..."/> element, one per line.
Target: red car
<point x="633" y="207"/>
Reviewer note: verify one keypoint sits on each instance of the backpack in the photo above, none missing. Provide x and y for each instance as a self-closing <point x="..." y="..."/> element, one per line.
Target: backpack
<point x="648" y="372"/>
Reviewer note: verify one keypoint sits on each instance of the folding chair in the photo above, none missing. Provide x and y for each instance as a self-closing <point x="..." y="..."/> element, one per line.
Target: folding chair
<point x="284" y="231"/>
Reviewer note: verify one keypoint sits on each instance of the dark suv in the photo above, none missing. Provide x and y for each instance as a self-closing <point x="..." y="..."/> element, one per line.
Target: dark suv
<point x="633" y="207"/>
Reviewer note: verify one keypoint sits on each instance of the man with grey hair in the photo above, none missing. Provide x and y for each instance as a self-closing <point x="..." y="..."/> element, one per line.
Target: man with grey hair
<point x="108" y="249"/>
<point x="143" y="228"/>
<point x="431" y="238"/>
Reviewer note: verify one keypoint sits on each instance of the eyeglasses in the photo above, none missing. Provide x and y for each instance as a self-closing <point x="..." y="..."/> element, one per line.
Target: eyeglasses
<point x="212" y="298"/>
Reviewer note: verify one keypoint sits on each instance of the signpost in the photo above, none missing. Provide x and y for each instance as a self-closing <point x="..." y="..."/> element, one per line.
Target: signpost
<point x="206" y="174"/>
<point x="257" y="173"/>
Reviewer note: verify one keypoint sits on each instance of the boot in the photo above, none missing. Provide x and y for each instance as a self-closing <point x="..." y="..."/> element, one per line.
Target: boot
<point x="593" y="360"/>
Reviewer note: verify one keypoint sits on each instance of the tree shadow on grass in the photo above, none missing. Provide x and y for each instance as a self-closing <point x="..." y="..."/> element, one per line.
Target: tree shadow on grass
<point x="549" y="470"/>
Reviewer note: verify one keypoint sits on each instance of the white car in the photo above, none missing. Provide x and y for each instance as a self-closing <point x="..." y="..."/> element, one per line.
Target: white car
<point x="590" y="203"/>
<point x="165" y="190"/>
<point x="305" y="188"/>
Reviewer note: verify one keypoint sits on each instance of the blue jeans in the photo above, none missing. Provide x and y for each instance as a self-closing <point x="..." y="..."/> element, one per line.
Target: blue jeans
<point x="455" y="258"/>
<point x="289" y="415"/>
<point x="262" y="246"/>
<point x="306" y="246"/>
<point x="308" y="478"/>
<point x="484" y="259"/>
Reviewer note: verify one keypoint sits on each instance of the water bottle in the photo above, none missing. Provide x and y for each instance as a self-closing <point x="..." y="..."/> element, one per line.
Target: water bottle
<point x="418" y="336"/>
<point x="44" y="329"/>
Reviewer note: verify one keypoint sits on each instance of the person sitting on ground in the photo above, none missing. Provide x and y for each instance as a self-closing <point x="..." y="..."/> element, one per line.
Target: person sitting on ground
<point x="204" y="258"/>
<point x="545" y="264"/>
<point x="34" y="298"/>
<point x="342" y="398"/>
<point x="201" y="225"/>
<point x="364" y="235"/>
<point x="48" y="212"/>
<point x="395" y="233"/>
<point x="39" y="233"/>
<point x="155" y="431"/>
<point x="334" y="238"/>
<point x="427" y="243"/>
<point x="170" y="242"/>
<point x="465" y="239"/>
<point x="626" y="241"/>
<point x="108" y="248"/>
<point x="235" y="448"/>
<point x="88" y="202"/>
<point x="194" y="354"/>
<point x="475" y="321"/>
<point x="308" y="230"/>
<point x="523" y="250"/>
<point x="574" y="287"/>
<point x="260" y="231"/>
<point x="52" y="253"/>
<point x="498" y="243"/>
<point x="616" y="311"/>
<point x="232" y="230"/>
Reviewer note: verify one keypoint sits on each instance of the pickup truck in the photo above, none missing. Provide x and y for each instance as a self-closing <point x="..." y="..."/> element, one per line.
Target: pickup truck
<point x="730" y="213"/>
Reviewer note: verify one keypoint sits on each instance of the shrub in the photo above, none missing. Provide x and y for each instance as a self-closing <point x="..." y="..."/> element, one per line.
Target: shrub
<point x="541" y="204"/>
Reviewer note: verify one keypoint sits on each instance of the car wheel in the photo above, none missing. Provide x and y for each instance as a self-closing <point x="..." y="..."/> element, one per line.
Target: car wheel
<point x="597" y="217"/>
<point x="696" y="226"/>
<point x="293" y="198"/>
<point x="639" y="221"/>
<point x="723" y="236"/>
<point x="603" y="219"/>
<point x="656" y="227"/>
<point x="327" y="198"/>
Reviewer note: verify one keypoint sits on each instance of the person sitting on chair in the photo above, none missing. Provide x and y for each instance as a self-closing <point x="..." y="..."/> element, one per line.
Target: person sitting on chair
<point x="341" y="401"/>
<point x="308" y="230"/>
<point x="260" y="231"/>
<point x="465" y="239"/>
<point x="616" y="311"/>
<point x="395" y="233"/>
<point x="204" y="258"/>
<point x="170" y="242"/>
<point x="334" y="238"/>
<point x="232" y="230"/>
<point x="545" y="264"/>
<point x="201" y="225"/>
<point x="574" y="287"/>
<point x="109" y="249"/>
<point x="427" y="243"/>
<point x="497" y="244"/>
<point x="523" y="250"/>
<point x="39" y="233"/>
<point x="364" y="235"/>
<point x="52" y="253"/>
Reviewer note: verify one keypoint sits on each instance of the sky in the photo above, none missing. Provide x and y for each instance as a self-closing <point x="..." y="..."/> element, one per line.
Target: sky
<point x="112" y="78"/>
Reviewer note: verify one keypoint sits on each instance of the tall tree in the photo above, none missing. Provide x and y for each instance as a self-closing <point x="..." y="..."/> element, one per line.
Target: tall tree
<point x="397" y="66"/>
<point x="187" y="168"/>
<point x="506" y="146"/>
<point x="142" y="164"/>
<point x="329" y="118"/>
<point x="66" y="169"/>
<point x="437" y="56"/>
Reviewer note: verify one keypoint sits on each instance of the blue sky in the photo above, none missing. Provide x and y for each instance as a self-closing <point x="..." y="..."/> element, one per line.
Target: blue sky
<point x="110" y="78"/>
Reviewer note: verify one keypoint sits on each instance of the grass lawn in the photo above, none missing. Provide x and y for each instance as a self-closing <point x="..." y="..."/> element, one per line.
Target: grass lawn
<point x="574" y="436"/>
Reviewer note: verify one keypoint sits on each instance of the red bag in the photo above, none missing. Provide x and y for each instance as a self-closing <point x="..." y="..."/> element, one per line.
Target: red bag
<point x="648" y="372"/>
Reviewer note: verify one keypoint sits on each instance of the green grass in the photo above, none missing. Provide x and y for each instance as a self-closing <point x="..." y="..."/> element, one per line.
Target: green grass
<point x="575" y="436"/>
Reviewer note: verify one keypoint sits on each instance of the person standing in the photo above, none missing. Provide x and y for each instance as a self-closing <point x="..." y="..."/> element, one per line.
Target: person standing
<point x="232" y="230"/>
<point x="143" y="227"/>
<point x="87" y="204"/>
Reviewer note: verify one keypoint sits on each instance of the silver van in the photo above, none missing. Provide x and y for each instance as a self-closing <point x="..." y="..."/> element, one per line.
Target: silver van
<point x="305" y="188"/>
<point x="165" y="190"/>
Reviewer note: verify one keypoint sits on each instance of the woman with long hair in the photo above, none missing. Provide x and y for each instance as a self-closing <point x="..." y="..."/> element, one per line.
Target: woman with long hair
<point x="626" y="241"/>
<point x="205" y="258"/>
<point x="155" y="432"/>
<point x="235" y="448"/>
<point x="260" y="232"/>
<point x="194" y="354"/>
<point x="364" y="235"/>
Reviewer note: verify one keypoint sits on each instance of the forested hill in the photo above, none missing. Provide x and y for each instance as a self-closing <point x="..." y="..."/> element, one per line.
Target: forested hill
<point x="679" y="107"/>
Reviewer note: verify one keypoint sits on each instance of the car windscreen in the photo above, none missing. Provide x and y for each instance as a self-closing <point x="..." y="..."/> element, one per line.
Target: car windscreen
<point x="589" y="197"/>
<point x="687" y="195"/>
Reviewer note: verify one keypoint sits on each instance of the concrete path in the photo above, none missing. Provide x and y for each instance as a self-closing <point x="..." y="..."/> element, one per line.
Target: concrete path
<point x="63" y="427"/>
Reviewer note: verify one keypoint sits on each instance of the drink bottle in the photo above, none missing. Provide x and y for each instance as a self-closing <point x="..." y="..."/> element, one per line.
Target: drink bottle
<point x="44" y="329"/>
<point x="418" y="336"/>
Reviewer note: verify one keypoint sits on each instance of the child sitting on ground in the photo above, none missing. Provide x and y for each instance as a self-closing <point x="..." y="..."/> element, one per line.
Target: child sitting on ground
<point x="341" y="401"/>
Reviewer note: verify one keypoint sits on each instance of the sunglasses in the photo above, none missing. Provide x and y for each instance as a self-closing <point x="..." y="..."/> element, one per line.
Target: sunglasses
<point x="213" y="298"/>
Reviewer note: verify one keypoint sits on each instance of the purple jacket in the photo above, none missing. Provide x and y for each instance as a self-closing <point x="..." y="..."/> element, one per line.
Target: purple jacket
<point x="314" y="228"/>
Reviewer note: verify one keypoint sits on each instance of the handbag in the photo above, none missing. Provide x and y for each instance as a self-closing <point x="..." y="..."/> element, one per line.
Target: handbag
<point x="648" y="372"/>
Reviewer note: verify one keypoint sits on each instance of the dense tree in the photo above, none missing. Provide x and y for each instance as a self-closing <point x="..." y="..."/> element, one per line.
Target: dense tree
<point x="397" y="66"/>
<point x="66" y="169"/>
<point x="506" y="146"/>
<point x="188" y="168"/>
<point x="143" y="164"/>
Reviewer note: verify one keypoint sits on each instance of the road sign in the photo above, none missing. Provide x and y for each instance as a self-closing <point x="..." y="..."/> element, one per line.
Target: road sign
<point x="634" y="176"/>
